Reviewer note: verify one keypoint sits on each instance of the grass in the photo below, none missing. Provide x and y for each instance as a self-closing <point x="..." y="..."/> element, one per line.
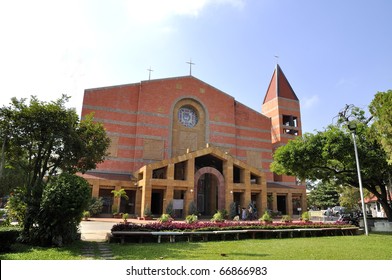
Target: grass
<point x="372" y="247"/>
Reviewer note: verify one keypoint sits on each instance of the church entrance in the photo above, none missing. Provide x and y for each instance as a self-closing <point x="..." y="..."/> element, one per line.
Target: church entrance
<point x="207" y="195"/>
<point x="209" y="191"/>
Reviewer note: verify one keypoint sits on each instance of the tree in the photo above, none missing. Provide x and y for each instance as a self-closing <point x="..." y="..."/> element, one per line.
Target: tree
<point x="45" y="138"/>
<point x="64" y="200"/>
<point x="381" y="110"/>
<point x="349" y="198"/>
<point x="329" y="155"/>
<point x="324" y="195"/>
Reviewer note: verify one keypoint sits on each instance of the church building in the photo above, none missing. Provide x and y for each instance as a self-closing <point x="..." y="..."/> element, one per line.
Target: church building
<point x="179" y="142"/>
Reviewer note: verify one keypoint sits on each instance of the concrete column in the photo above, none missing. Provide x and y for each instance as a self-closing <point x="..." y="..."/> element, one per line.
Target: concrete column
<point x="169" y="192"/>
<point x="289" y="204"/>
<point x="95" y="189"/>
<point x="274" y="201"/>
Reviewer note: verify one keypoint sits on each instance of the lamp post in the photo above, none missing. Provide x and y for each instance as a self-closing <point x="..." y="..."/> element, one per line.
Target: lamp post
<point x="353" y="127"/>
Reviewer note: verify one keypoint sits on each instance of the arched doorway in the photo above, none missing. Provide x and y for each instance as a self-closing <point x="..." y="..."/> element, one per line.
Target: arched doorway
<point x="209" y="193"/>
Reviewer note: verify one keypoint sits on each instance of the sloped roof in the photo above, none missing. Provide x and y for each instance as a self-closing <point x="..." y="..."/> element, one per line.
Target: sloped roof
<point x="214" y="151"/>
<point x="279" y="87"/>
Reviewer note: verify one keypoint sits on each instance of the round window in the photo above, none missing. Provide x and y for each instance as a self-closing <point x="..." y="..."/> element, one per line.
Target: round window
<point x="187" y="116"/>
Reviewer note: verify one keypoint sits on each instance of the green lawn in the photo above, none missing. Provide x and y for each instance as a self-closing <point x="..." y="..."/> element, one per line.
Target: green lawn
<point x="372" y="247"/>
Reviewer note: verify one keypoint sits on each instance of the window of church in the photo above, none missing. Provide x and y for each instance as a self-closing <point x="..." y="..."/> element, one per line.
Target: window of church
<point x="160" y="173"/>
<point x="290" y="131"/>
<point x="254" y="179"/>
<point x="180" y="170"/>
<point x="238" y="174"/>
<point x="290" y="121"/>
<point x="187" y="116"/>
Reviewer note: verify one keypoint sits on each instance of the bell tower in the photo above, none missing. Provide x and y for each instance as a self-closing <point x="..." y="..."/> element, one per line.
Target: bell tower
<point x="281" y="104"/>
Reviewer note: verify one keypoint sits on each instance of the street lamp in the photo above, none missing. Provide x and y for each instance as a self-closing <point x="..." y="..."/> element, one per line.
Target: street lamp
<point x="353" y="128"/>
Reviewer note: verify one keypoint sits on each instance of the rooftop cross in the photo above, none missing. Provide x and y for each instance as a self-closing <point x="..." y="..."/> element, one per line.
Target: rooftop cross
<point x="149" y="73"/>
<point x="190" y="66"/>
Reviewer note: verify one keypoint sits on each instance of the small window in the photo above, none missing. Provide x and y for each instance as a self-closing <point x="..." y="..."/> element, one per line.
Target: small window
<point x="290" y="121"/>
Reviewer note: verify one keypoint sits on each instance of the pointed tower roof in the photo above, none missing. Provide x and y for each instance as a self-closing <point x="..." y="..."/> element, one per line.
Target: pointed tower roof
<point x="279" y="87"/>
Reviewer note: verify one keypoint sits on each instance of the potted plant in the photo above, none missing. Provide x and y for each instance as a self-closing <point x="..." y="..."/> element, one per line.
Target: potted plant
<point x="266" y="218"/>
<point x="125" y="217"/>
<point x="147" y="213"/>
<point x="305" y="217"/>
<point x="165" y="218"/>
<point x="190" y="219"/>
<point x="86" y="215"/>
<point x="286" y="219"/>
<point x="218" y="217"/>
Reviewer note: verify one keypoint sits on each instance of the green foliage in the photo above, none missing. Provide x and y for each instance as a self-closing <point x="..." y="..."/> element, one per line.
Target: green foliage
<point x="165" y="218"/>
<point x="305" y="216"/>
<point x="324" y="195"/>
<point x="329" y="156"/>
<point x="147" y="211"/>
<point x="169" y="208"/>
<point x="266" y="217"/>
<point x="95" y="205"/>
<point x="121" y="193"/>
<point x="86" y="215"/>
<point x="190" y="219"/>
<point x="8" y="236"/>
<point x="125" y="216"/>
<point x="114" y="209"/>
<point x="286" y="219"/>
<point x="381" y="110"/>
<point x="218" y="216"/>
<point x="63" y="202"/>
<point x="349" y="198"/>
<point x="17" y="206"/>
<point x="43" y="138"/>
<point x="192" y="208"/>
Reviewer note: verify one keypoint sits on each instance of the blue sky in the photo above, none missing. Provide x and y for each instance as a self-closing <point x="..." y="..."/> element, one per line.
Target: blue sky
<point x="333" y="52"/>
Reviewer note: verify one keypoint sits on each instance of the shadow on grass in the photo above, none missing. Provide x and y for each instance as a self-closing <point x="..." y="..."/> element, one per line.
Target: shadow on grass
<point x="21" y="251"/>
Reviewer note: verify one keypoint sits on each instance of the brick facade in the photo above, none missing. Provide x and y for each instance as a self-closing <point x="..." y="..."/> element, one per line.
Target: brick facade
<point x="155" y="126"/>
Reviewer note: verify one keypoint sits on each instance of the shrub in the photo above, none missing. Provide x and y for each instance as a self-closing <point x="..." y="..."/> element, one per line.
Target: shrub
<point x="86" y="215"/>
<point x="218" y="217"/>
<point x="165" y="218"/>
<point x="147" y="211"/>
<point x="8" y="236"/>
<point x="192" y="208"/>
<point x="305" y="216"/>
<point x="169" y="208"/>
<point x="63" y="202"/>
<point x="125" y="216"/>
<point x="286" y="219"/>
<point x="266" y="217"/>
<point x="95" y="206"/>
<point x="190" y="219"/>
<point x="17" y="206"/>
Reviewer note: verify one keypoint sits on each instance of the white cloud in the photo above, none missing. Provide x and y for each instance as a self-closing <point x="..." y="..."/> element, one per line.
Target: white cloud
<point x="152" y="11"/>
<point x="309" y="101"/>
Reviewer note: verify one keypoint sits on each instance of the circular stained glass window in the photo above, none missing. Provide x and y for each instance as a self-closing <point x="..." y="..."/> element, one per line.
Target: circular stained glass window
<point x="187" y="116"/>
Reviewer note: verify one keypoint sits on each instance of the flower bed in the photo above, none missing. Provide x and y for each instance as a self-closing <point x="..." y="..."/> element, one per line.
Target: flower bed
<point x="216" y="226"/>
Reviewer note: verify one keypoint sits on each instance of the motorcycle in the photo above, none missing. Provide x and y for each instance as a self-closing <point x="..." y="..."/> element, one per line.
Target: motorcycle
<point x="351" y="219"/>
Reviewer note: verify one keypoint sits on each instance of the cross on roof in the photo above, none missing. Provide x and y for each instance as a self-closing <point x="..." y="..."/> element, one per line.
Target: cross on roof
<point x="190" y="66"/>
<point x="149" y="73"/>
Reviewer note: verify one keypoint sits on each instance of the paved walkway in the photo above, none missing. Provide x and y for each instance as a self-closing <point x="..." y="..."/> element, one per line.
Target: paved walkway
<point x="97" y="250"/>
